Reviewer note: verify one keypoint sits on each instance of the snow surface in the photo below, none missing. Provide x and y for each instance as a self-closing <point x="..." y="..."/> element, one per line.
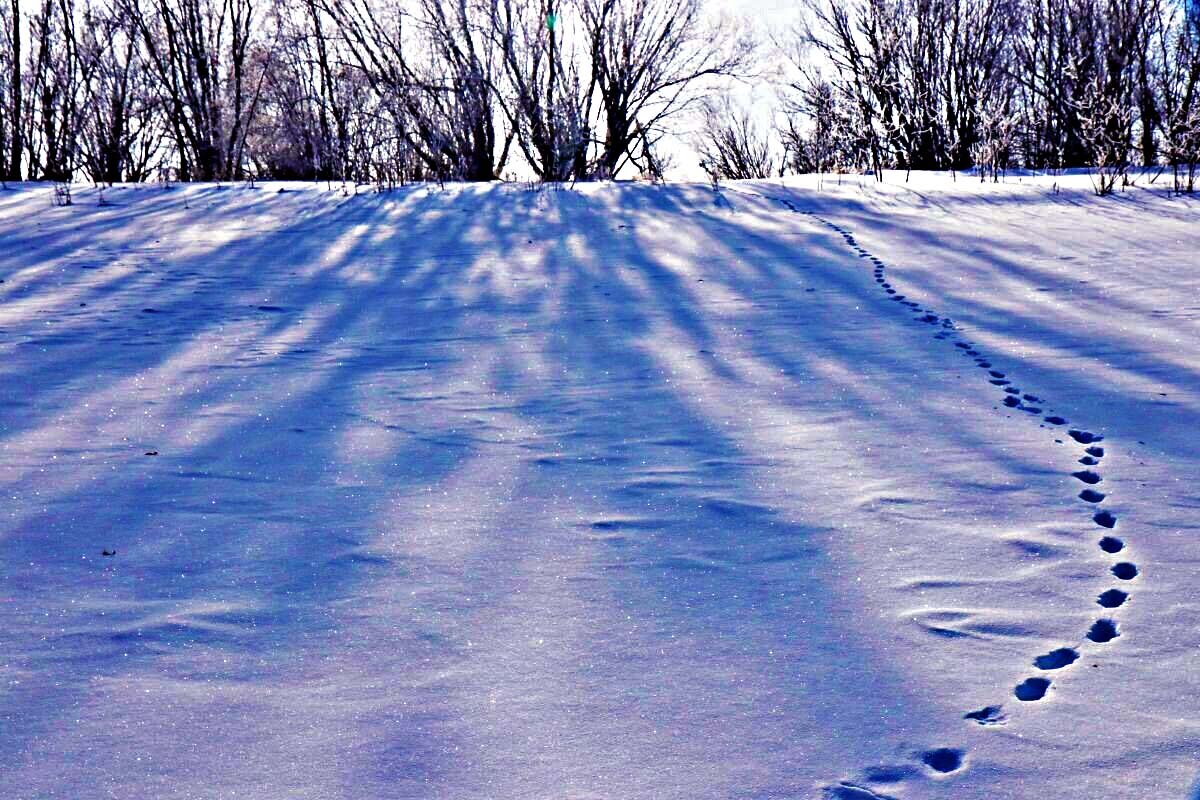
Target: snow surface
<point x="610" y="492"/>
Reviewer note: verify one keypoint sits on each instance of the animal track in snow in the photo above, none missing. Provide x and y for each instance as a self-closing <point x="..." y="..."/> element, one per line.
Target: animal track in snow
<point x="1057" y="659"/>
<point x="943" y="759"/>
<point x="1125" y="570"/>
<point x="852" y="791"/>
<point x="1103" y="630"/>
<point x="1030" y="689"/>
<point x="988" y="715"/>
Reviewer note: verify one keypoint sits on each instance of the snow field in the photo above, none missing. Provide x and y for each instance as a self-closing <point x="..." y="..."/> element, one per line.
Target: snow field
<point x="609" y="492"/>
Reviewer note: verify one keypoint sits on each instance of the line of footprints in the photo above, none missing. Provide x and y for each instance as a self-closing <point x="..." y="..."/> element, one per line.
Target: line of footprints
<point x="1104" y="629"/>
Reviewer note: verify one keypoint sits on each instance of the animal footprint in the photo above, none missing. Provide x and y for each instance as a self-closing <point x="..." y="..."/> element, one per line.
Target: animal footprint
<point x="1111" y="544"/>
<point x="1031" y="689"/>
<point x="1057" y="659"/>
<point x="1125" y="571"/>
<point x="943" y="759"/>
<point x="988" y="715"/>
<point x="1112" y="598"/>
<point x="1103" y="630"/>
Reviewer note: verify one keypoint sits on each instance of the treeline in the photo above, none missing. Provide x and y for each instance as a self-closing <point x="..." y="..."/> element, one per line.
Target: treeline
<point x="399" y="90"/>
<point x="1043" y="84"/>
<point x="356" y="90"/>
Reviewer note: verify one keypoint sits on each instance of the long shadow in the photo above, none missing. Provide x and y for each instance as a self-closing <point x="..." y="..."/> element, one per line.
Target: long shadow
<point x="1143" y="361"/>
<point x="310" y="371"/>
<point x="294" y="577"/>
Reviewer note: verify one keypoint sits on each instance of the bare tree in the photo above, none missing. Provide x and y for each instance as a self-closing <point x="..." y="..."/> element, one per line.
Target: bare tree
<point x="832" y="142"/>
<point x="61" y="68"/>
<point x="466" y="67"/>
<point x="1177" y="90"/>
<point x="124" y="126"/>
<point x="197" y="51"/>
<point x="648" y="59"/>
<point x="916" y="71"/>
<point x="546" y="99"/>
<point x="731" y="144"/>
<point x="978" y="48"/>
<point x="1052" y="65"/>
<point x="12" y="143"/>
<point x="995" y="136"/>
<point x="1105" y="125"/>
<point x="1106" y="76"/>
<point x="308" y="100"/>
<point x="861" y="45"/>
<point x="336" y="87"/>
<point x="442" y="106"/>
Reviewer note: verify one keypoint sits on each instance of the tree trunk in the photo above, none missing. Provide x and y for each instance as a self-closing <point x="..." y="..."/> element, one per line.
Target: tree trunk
<point x="12" y="170"/>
